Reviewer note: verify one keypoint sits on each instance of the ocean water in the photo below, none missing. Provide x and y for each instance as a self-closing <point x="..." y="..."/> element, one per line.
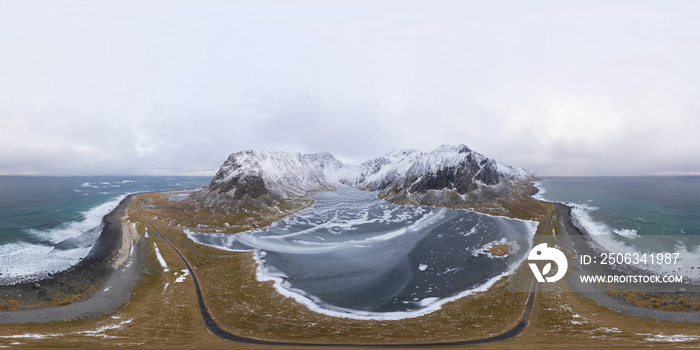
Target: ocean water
<point x="47" y="224"/>
<point x="636" y="214"/>
<point x="354" y="255"/>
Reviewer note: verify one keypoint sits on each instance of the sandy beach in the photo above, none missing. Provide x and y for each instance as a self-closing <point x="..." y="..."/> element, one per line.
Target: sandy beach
<point x="98" y="285"/>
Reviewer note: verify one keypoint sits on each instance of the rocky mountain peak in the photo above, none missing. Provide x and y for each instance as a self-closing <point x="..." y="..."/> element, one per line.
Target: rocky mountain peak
<point x="260" y="176"/>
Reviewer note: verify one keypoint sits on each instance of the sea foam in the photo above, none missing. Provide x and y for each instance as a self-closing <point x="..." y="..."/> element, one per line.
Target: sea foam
<point x="628" y="241"/>
<point x="57" y="249"/>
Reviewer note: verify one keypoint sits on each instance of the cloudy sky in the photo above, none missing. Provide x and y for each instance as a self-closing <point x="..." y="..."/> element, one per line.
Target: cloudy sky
<point x="174" y="87"/>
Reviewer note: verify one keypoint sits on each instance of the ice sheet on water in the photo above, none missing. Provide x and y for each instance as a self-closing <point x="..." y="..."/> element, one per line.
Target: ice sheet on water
<point x="354" y="255"/>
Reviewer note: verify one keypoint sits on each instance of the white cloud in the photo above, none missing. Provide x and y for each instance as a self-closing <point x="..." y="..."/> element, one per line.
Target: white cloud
<point x="115" y="87"/>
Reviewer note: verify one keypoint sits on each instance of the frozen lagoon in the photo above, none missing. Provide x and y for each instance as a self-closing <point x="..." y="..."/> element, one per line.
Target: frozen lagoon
<point x="354" y="255"/>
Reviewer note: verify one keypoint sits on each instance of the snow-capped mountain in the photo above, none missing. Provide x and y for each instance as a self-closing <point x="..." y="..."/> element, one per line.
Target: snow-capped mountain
<point x="257" y="174"/>
<point x="424" y="177"/>
<point x="447" y="169"/>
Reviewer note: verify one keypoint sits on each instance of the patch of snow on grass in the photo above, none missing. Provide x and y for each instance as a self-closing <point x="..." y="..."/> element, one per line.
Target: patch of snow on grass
<point x="183" y="277"/>
<point x="100" y="330"/>
<point x="160" y="259"/>
<point x="673" y="338"/>
<point x="610" y="330"/>
<point x="31" y="336"/>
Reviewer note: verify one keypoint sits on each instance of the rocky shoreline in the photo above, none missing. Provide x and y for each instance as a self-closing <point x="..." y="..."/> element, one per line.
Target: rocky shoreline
<point x="93" y="287"/>
<point x="600" y="296"/>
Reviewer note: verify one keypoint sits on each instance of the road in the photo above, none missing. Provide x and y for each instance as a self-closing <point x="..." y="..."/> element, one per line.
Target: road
<point x="216" y="330"/>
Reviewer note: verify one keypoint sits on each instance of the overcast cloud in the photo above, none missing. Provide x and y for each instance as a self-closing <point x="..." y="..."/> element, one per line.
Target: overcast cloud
<point x="174" y="87"/>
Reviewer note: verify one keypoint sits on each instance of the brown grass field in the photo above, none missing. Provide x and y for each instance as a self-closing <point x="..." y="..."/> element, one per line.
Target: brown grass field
<point x="163" y="313"/>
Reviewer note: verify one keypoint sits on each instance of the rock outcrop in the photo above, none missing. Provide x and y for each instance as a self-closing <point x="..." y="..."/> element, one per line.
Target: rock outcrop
<point x="448" y="173"/>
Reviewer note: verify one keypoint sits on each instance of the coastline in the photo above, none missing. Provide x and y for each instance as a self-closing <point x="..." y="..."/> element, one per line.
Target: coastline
<point x="98" y="285"/>
<point x="594" y="293"/>
<point x="315" y="304"/>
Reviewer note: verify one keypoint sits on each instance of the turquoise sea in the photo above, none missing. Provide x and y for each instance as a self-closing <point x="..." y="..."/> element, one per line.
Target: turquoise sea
<point x="47" y="224"/>
<point x="635" y="214"/>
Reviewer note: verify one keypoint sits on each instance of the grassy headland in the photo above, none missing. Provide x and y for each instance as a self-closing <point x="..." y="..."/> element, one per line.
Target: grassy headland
<point x="163" y="312"/>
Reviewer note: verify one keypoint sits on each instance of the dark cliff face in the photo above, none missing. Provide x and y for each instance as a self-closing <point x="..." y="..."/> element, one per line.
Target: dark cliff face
<point x="261" y="178"/>
<point x="446" y="173"/>
<point x="241" y="187"/>
<point x="246" y="187"/>
<point x="463" y="178"/>
<point x="454" y="168"/>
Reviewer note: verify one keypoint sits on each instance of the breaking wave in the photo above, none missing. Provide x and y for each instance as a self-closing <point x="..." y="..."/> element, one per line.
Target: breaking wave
<point x="629" y="240"/>
<point x="45" y="252"/>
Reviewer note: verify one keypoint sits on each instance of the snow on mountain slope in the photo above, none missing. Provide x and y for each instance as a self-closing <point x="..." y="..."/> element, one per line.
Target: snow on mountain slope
<point x="444" y="176"/>
<point x="379" y="173"/>
<point x="255" y="174"/>
<point x="252" y="175"/>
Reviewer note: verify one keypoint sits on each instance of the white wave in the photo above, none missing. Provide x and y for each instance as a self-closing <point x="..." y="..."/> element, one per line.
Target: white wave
<point x="541" y="191"/>
<point x="14" y="249"/>
<point x="626" y="232"/>
<point x="91" y="220"/>
<point x="23" y="261"/>
<point x="37" y="261"/>
<point x="625" y="240"/>
<point x="617" y="240"/>
<point x="580" y="213"/>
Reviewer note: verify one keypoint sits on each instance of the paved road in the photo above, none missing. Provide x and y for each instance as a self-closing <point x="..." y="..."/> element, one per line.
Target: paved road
<point x="214" y="328"/>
